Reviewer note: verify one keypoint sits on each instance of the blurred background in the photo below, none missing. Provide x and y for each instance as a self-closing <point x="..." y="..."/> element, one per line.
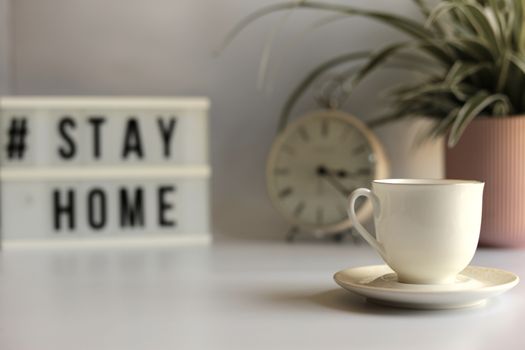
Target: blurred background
<point x="166" y="48"/>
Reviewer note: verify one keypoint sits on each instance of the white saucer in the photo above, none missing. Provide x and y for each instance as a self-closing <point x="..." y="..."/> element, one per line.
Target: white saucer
<point x="379" y="285"/>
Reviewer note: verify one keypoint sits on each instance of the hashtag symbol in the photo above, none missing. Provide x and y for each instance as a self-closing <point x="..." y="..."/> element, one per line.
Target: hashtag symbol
<point x="16" y="138"/>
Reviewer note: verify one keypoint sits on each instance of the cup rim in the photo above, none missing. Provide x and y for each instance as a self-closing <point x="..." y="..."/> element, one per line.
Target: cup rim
<point x="423" y="182"/>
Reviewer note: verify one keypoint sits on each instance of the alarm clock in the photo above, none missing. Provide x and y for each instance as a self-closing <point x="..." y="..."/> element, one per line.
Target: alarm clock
<point x="315" y="163"/>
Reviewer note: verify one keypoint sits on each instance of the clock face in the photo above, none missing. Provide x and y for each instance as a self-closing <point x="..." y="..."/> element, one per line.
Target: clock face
<point x="314" y="166"/>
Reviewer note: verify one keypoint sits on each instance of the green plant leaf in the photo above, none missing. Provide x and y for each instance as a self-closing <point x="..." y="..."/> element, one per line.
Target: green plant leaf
<point x="423" y="7"/>
<point x="503" y="71"/>
<point x="438" y="129"/>
<point x="517" y="25"/>
<point x="475" y="17"/>
<point x="375" y="60"/>
<point x="470" y="61"/>
<point x="462" y="70"/>
<point x="268" y="46"/>
<point x="421" y="90"/>
<point x="442" y="8"/>
<point x="471" y="109"/>
<point x="518" y="61"/>
<point x="459" y="23"/>
<point x="471" y="49"/>
<point x="311" y="77"/>
<point x="498" y="17"/>
<point x="401" y="23"/>
<point x="444" y="124"/>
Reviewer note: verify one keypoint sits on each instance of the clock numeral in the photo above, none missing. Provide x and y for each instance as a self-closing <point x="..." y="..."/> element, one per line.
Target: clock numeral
<point x="319" y="215"/>
<point x="359" y="149"/>
<point x="342" y="173"/>
<point x="299" y="208"/>
<point x="304" y="134"/>
<point x="285" y="192"/>
<point x="324" y="128"/>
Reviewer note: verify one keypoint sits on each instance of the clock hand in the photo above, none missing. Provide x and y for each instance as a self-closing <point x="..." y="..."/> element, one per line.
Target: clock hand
<point x="337" y="185"/>
<point x="342" y="173"/>
<point x="332" y="180"/>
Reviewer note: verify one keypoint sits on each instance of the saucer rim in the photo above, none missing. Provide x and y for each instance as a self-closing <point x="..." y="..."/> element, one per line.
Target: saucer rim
<point x="426" y="288"/>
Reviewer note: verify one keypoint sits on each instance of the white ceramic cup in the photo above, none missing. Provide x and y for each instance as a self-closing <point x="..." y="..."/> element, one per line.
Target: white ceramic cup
<point x="427" y="231"/>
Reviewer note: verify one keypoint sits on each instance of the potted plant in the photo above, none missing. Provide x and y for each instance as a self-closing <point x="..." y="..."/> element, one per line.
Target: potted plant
<point x="470" y="56"/>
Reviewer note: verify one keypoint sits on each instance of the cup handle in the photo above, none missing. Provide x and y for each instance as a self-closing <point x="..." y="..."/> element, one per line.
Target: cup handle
<point x="353" y="217"/>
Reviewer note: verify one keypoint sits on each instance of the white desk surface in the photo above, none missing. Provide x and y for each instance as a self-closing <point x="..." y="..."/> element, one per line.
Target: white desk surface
<point x="251" y="295"/>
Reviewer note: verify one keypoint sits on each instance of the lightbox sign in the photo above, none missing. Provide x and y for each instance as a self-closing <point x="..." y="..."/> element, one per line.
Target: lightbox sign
<point x="103" y="167"/>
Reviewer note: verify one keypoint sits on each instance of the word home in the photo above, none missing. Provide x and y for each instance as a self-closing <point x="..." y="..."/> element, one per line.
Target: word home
<point x="128" y="208"/>
<point x="75" y="208"/>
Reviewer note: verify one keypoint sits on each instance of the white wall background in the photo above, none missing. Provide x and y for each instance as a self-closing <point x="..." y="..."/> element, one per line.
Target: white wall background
<point x="4" y="45"/>
<point x="164" y="47"/>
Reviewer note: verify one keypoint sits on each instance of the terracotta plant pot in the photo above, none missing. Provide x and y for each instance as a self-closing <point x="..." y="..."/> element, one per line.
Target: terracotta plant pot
<point x="493" y="150"/>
